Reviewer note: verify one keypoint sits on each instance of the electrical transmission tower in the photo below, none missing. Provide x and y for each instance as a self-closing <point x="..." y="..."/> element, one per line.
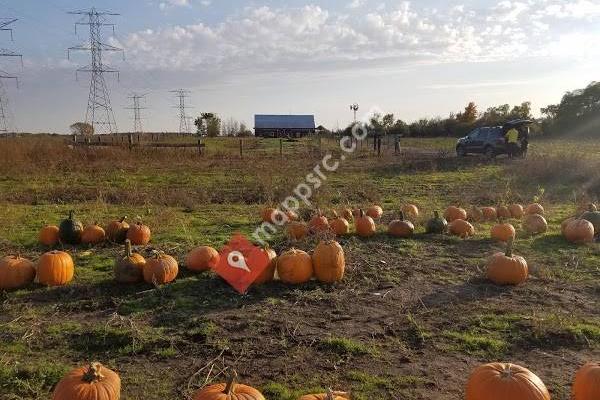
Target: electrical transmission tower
<point x="4" y="26"/>
<point x="184" y="120"/>
<point x="137" y="114"/>
<point x="99" y="111"/>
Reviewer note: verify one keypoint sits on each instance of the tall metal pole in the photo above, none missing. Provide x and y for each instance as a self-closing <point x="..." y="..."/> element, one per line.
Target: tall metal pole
<point x="5" y="26"/>
<point x="137" y="114"/>
<point x="354" y="107"/>
<point x="184" y="125"/>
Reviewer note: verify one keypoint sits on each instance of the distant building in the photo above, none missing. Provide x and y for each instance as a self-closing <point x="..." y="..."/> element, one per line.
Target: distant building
<point x="284" y="125"/>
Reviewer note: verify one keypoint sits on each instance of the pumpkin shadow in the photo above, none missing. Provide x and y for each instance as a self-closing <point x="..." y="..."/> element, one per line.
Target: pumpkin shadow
<point x="475" y="290"/>
<point x="551" y="242"/>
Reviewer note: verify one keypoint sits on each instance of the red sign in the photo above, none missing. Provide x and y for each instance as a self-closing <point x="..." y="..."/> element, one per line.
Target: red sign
<point x="241" y="263"/>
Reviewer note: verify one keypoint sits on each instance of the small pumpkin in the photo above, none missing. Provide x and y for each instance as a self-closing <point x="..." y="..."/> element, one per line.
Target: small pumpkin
<point x="364" y="225"/>
<point x="461" y="228"/>
<point x="130" y="267"/>
<point x="297" y="230"/>
<point x="503" y="212"/>
<point x="49" y="235"/>
<point x="411" y="212"/>
<point x="594" y="218"/>
<point x="503" y="232"/>
<point x="453" y="213"/>
<point x="437" y="224"/>
<point x="116" y="231"/>
<point x="202" y="258"/>
<point x="295" y="267"/>
<point x="339" y="225"/>
<point x="507" y="268"/>
<point x="55" y="268"/>
<point x="579" y="231"/>
<point x="535" y="224"/>
<point x="292" y="215"/>
<point x="534" y="208"/>
<point x="586" y="385"/>
<point x="516" y="211"/>
<point x="500" y="381"/>
<point x="228" y="391"/>
<point x="93" y="234"/>
<point x="268" y="214"/>
<point x="160" y="269"/>
<point x="95" y="382"/>
<point x="346" y="213"/>
<point x="401" y="227"/>
<point x="268" y="273"/>
<point x="329" y="262"/>
<point x="318" y="223"/>
<point x="15" y="272"/>
<point x="70" y="230"/>
<point x="330" y="395"/>
<point x="475" y="214"/>
<point x="489" y="213"/>
<point x="139" y="234"/>
<point x="375" y="212"/>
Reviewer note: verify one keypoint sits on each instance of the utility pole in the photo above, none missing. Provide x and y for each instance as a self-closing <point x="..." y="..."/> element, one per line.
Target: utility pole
<point x="184" y="120"/>
<point x="354" y="107"/>
<point x="136" y="107"/>
<point x="99" y="111"/>
<point x="5" y="26"/>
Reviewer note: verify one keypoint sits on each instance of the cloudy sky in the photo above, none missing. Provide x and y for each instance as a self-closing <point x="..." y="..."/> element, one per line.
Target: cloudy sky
<point x="411" y="58"/>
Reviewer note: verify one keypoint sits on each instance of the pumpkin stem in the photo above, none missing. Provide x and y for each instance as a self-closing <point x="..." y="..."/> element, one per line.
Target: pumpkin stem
<point x="230" y="386"/>
<point x="123" y="219"/>
<point x="93" y="373"/>
<point x="509" y="247"/>
<point x="361" y="213"/>
<point x="436" y="214"/>
<point x="401" y="215"/>
<point x="128" y="251"/>
<point x="71" y="214"/>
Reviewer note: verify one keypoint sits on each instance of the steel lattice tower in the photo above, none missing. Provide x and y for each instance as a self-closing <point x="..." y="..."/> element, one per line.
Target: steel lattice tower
<point x="137" y="114"/>
<point x="4" y="26"/>
<point x="184" y="124"/>
<point x="99" y="111"/>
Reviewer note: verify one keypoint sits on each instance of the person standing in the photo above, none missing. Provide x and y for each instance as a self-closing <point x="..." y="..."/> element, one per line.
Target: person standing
<point x="512" y="142"/>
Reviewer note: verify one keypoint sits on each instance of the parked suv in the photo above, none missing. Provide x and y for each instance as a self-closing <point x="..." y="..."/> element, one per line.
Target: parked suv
<point x="490" y="140"/>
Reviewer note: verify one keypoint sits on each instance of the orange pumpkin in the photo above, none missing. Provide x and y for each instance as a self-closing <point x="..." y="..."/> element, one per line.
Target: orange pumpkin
<point x="55" y="268"/>
<point x="95" y="382"/>
<point x="460" y="227"/>
<point x="586" y="385"/>
<point x="292" y="216"/>
<point x="297" y="230"/>
<point x="228" y="391"/>
<point x="130" y="267"/>
<point x="375" y="212"/>
<point x="139" y="234"/>
<point x="503" y="232"/>
<point x="49" y="235"/>
<point x="318" y="223"/>
<point x="347" y="214"/>
<point x="499" y="381"/>
<point x="160" y="269"/>
<point x="534" y="208"/>
<point x="453" y="213"/>
<point x="503" y="212"/>
<point x="401" y="227"/>
<point x="535" y="224"/>
<point x="507" y="268"/>
<point x="15" y="272"/>
<point x="475" y="214"/>
<point x="489" y="213"/>
<point x="116" y="231"/>
<point x="268" y="214"/>
<point x="330" y="395"/>
<point x="579" y="231"/>
<point x="295" y="267"/>
<point x="269" y="273"/>
<point x="516" y="211"/>
<point x="202" y="258"/>
<point x="93" y="234"/>
<point x="364" y="225"/>
<point x="565" y="224"/>
<point x="339" y="225"/>
<point x="411" y="212"/>
<point x="328" y="262"/>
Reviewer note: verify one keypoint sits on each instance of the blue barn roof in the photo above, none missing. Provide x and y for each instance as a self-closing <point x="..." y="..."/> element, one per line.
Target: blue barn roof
<point x="284" y="122"/>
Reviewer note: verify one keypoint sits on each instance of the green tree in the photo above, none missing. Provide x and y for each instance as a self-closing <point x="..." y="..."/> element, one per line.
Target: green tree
<point x="82" y="128"/>
<point x="577" y="114"/>
<point x="469" y="115"/>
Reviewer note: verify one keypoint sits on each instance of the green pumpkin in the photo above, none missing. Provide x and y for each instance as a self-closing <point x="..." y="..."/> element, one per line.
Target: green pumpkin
<point x="70" y="230"/>
<point x="437" y="224"/>
<point x="594" y="218"/>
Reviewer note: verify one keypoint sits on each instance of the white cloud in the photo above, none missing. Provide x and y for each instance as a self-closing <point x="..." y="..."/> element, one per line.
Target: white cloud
<point x="173" y="3"/>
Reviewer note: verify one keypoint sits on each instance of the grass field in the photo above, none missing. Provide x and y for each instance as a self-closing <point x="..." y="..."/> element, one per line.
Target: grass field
<point x="411" y="319"/>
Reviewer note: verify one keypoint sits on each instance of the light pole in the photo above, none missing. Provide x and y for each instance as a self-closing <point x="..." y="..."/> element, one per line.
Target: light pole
<point x="354" y="107"/>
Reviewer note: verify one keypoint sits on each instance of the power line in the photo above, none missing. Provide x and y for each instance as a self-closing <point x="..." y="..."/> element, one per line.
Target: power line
<point x="184" y="124"/>
<point x="5" y="26"/>
<point x="99" y="110"/>
<point x="136" y="107"/>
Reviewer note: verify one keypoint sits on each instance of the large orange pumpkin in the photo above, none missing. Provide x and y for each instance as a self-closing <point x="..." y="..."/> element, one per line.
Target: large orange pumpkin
<point x="328" y="262"/>
<point x="228" y="391"/>
<point x="489" y="213"/>
<point x="579" y="231"/>
<point x="507" y="268"/>
<point x="460" y="227"/>
<point x="500" y="381"/>
<point x="160" y="269"/>
<point x="93" y="234"/>
<point x="269" y="273"/>
<point x="534" y="208"/>
<point x="535" y="224"/>
<point x="503" y="232"/>
<point x="411" y="212"/>
<point x="295" y="266"/>
<point x="586" y="385"/>
<point x="139" y="234"/>
<point x="297" y="230"/>
<point x="130" y="267"/>
<point x="503" y="212"/>
<point x="453" y="213"/>
<point x="15" y="272"/>
<point x="55" y="268"/>
<point x="330" y="395"/>
<point x="375" y="212"/>
<point x="202" y="258"/>
<point x="364" y="225"/>
<point x="116" y="231"/>
<point x="49" y="235"/>
<point x="339" y="225"/>
<point x="401" y="227"/>
<point x="516" y="211"/>
<point x="318" y="223"/>
<point x="346" y="213"/>
<point x="565" y="224"/>
<point x="95" y="382"/>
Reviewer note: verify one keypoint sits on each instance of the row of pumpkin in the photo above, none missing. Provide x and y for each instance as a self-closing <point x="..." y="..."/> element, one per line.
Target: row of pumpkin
<point x="493" y="381"/>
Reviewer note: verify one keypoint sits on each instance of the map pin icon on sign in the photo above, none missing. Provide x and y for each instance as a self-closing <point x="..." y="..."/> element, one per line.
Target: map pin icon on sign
<point x="236" y="259"/>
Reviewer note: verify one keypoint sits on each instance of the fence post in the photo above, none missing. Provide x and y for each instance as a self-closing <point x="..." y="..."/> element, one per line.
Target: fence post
<point x="199" y="147"/>
<point x="74" y="138"/>
<point x="138" y="138"/>
<point x="281" y="148"/>
<point x="241" y="149"/>
<point x="130" y="139"/>
<point x="378" y="146"/>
